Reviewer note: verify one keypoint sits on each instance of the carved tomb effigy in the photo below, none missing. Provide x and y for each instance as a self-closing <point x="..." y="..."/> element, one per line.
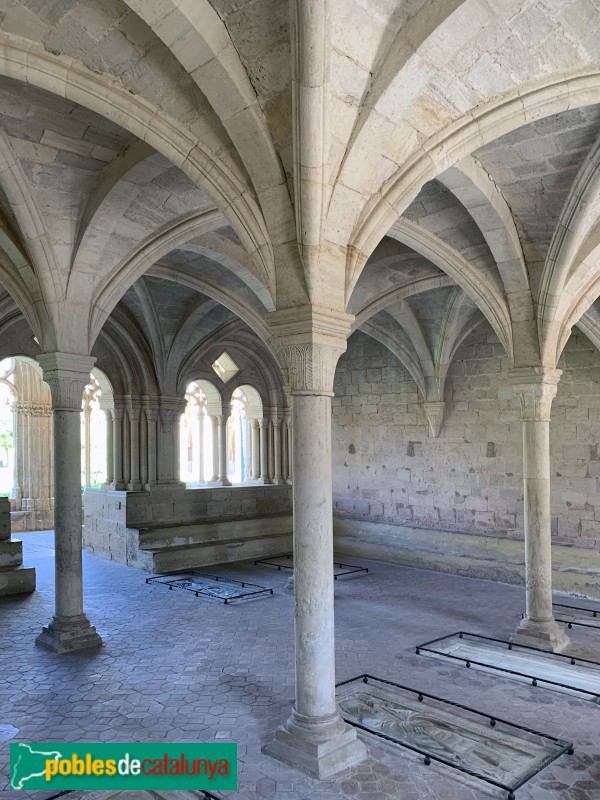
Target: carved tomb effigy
<point x="490" y="749"/>
<point x="563" y="673"/>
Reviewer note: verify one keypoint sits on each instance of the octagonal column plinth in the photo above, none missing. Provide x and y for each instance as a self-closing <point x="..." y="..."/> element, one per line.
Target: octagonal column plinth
<point x="315" y="739"/>
<point x="536" y="389"/>
<point x="70" y="630"/>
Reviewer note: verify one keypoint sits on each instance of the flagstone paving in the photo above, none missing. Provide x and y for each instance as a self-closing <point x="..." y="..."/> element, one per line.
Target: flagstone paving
<point x="174" y="667"/>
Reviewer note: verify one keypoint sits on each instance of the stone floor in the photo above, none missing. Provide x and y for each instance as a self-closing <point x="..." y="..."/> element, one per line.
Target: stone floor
<point x="179" y="668"/>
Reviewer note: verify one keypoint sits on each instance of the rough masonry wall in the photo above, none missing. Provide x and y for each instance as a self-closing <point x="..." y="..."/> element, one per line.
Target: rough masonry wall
<point x="387" y="469"/>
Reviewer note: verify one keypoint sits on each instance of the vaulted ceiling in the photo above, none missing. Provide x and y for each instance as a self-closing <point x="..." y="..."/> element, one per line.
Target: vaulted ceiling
<point x="175" y="171"/>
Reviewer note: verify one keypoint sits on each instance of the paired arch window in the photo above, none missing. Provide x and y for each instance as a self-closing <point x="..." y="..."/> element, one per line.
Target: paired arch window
<point x="199" y="433"/>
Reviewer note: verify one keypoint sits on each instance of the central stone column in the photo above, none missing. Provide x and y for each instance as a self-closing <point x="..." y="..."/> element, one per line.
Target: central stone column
<point x="70" y="630"/>
<point x="536" y="388"/>
<point x="263" y="426"/>
<point x="223" y="420"/>
<point x="315" y="739"/>
<point x="134" y="411"/>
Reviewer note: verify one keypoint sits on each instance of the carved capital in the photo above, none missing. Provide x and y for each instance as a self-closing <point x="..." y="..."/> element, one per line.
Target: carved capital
<point x="67" y="375"/>
<point x="309" y="341"/>
<point x="169" y="416"/>
<point x="536" y="389"/>
<point x="171" y="409"/>
<point x="151" y="414"/>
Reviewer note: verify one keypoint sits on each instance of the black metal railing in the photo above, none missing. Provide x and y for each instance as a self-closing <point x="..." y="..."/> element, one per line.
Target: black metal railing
<point x="185" y="580"/>
<point x="343" y="569"/>
<point x="562" y="746"/>
<point x="562" y="616"/>
<point x="535" y="679"/>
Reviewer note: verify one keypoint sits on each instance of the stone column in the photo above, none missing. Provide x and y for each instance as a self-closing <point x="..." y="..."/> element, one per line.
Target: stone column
<point x="151" y="421"/>
<point x="285" y="458"/>
<point x="270" y="457"/>
<point x="143" y="448"/>
<point x="34" y="476"/>
<point x="126" y="459"/>
<point x="108" y="412"/>
<point x="200" y="445"/>
<point x="214" y="419"/>
<point x="315" y="738"/>
<point x="255" y="449"/>
<point x="70" y="631"/>
<point x="536" y="387"/>
<point x="291" y="451"/>
<point x="118" y="483"/>
<point x="171" y="409"/>
<point x="87" y="444"/>
<point x="277" y="478"/>
<point x="135" y="484"/>
<point x="223" y="420"/>
<point x="263" y="425"/>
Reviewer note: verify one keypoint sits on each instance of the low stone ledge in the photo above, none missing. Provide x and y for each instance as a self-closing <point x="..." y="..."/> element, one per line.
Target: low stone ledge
<point x="488" y="557"/>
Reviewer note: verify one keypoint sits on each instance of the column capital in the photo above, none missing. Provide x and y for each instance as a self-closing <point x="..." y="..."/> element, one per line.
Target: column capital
<point x="67" y="375"/>
<point x="536" y="389"/>
<point x="310" y="340"/>
<point x="171" y="408"/>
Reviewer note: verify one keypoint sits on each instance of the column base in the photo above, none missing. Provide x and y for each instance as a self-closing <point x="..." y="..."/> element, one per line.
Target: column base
<point x="134" y="486"/>
<point x="118" y="486"/>
<point x="265" y="481"/>
<point x="543" y="635"/>
<point x="69" y="635"/>
<point x="278" y="481"/>
<point x="319" y="748"/>
<point x="224" y="482"/>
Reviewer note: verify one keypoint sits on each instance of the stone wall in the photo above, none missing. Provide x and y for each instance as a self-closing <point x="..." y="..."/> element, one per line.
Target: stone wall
<point x="387" y="469"/>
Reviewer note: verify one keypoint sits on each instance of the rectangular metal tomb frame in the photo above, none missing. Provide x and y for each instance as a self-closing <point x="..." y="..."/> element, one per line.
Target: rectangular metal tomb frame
<point x="561" y="745"/>
<point x="535" y="680"/>
<point x="565" y="613"/>
<point x="206" y="795"/>
<point x="171" y="578"/>
<point x="346" y="569"/>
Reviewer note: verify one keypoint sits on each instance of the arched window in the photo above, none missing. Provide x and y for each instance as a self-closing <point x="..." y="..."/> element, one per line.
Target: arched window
<point x="196" y="437"/>
<point x="93" y="436"/>
<point x="8" y="397"/>
<point x="242" y="434"/>
<point x="238" y="446"/>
